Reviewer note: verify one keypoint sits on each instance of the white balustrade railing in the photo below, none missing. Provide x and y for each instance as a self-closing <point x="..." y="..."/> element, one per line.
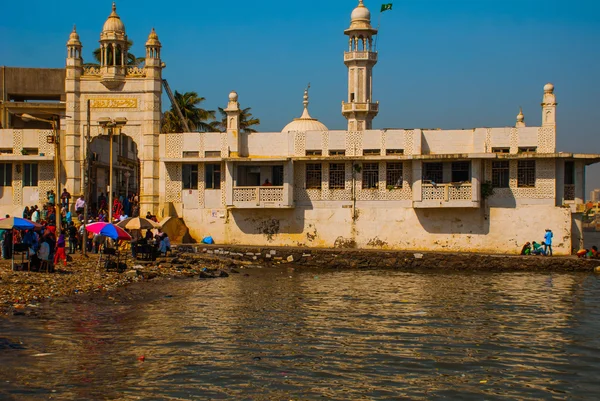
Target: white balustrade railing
<point x="447" y="192"/>
<point x="258" y="194"/>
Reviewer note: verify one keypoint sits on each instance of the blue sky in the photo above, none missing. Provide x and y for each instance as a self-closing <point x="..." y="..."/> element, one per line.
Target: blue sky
<point x="442" y="63"/>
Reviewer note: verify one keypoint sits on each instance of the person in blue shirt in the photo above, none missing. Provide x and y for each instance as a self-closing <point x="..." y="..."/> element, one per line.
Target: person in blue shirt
<point x="548" y="242"/>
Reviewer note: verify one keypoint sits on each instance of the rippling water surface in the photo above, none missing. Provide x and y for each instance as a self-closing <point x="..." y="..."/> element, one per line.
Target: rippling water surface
<point x="314" y="334"/>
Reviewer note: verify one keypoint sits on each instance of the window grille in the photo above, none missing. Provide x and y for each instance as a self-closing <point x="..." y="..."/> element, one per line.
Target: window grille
<point x="191" y="153"/>
<point x="313" y="176"/>
<point x="528" y="149"/>
<point x="337" y="176"/>
<point x="5" y="175"/>
<point x="212" y="153"/>
<point x="526" y="174"/>
<point x="190" y="176"/>
<point x="461" y="171"/>
<point x="500" y="174"/>
<point x="394" y="175"/>
<point x="433" y="172"/>
<point x="212" y="174"/>
<point x="370" y="175"/>
<point x="30" y="175"/>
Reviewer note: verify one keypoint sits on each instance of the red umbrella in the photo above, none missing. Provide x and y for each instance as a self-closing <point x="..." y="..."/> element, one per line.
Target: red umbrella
<point x="108" y="230"/>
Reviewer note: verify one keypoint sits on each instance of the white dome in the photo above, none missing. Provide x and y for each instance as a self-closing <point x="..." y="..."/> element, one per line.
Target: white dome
<point x="233" y="96"/>
<point x="361" y="13"/>
<point x="548" y="87"/>
<point x="303" y="125"/>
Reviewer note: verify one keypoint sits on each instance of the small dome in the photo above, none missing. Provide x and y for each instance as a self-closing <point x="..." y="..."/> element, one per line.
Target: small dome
<point x="74" y="38"/>
<point x="114" y="23"/>
<point x="549" y="88"/>
<point x="153" y="39"/>
<point x="361" y="13"/>
<point x="305" y="122"/>
<point x="233" y="96"/>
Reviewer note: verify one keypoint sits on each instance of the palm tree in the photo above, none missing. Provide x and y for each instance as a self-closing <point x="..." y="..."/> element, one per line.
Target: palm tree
<point x="247" y="121"/>
<point x="196" y="117"/>
<point x="132" y="60"/>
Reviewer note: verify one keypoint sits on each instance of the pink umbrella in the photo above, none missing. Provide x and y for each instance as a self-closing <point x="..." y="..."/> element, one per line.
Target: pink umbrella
<point x="108" y="230"/>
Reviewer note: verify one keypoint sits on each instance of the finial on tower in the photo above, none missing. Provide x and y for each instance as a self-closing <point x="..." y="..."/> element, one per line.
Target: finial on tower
<point x="520" y="118"/>
<point x="114" y="7"/>
<point x="306" y="96"/>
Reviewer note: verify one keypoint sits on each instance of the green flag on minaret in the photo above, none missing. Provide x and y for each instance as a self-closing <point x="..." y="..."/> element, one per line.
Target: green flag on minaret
<point x="385" y="7"/>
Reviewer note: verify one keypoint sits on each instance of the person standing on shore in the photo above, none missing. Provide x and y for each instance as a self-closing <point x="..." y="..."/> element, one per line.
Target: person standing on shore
<point x="548" y="242"/>
<point x="65" y="198"/>
<point x="60" y="250"/>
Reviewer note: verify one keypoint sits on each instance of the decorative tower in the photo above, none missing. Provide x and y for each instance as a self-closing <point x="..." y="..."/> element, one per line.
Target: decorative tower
<point x="113" y="50"/>
<point x="234" y="136"/>
<point x="153" y="46"/>
<point x="520" y="119"/>
<point x="74" y="49"/>
<point x="549" y="106"/>
<point x="360" y="59"/>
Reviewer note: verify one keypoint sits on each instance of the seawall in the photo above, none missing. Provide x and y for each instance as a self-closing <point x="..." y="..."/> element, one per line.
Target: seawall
<point x="375" y="259"/>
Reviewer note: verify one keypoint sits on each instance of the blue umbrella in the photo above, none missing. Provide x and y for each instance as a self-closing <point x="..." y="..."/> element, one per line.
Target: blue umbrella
<point x="108" y="230"/>
<point x="17" y="223"/>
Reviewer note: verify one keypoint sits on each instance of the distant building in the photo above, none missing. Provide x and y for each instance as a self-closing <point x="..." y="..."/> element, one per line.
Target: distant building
<point x="480" y="189"/>
<point x="595" y="195"/>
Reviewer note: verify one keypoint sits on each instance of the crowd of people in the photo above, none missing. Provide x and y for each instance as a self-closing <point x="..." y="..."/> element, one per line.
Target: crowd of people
<point x="539" y="249"/>
<point x="46" y="245"/>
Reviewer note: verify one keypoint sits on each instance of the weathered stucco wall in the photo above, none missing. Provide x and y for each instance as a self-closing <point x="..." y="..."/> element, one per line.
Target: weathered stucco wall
<point x="495" y="230"/>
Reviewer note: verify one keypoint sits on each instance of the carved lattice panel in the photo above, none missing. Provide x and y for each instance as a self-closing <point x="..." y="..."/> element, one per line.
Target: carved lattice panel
<point x="43" y="145"/>
<point x="224" y="147"/>
<point x="17" y="184"/>
<point x="459" y="192"/>
<point x="270" y="194"/>
<point x="223" y="181"/>
<point x="244" y="194"/>
<point x="354" y="143"/>
<point x="17" y="141"/>
<point x="201" y="144"/>
<point x="409" y="145"/>
<point x="173" y="182"/>
<point x="514" y="140"/>
<point x="45" y="179"/>
<point x="174" y="145"/>
<point x="325" y="142"/>
<point x="299" y="144"/>
<point x="546" y="140"/>
<point x="431" y="192"/>
<point x="201" y="185"/>
<point x="488" y="140"/>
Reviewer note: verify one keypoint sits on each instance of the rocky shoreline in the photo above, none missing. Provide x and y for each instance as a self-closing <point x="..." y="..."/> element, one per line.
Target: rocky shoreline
<point x="21" y="292"/>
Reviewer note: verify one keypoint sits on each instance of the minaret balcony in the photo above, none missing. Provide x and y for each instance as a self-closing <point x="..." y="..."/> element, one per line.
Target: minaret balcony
<point x="360" y="107"/>
<point x="360" y="55"/>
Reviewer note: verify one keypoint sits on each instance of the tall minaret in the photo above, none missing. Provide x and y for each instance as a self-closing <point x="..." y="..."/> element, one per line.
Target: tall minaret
<point x="549" y="106"/>
<point x="360" y="59"/>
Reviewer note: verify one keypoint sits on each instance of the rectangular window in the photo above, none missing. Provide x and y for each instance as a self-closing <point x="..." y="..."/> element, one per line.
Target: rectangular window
<point x="371" y="152"/>
<point x="191" y="153"/>
<point x="30" y="175"/>
<point x="569" y="173"/>
<point x="529" y="149"/>
<point x="526" y="174"/>
<point x="394" y="175"/>
<point x="314" y="176"/>
<point x="337" y="176"/>
<point x="461" y="171"/>
<point x="213" y="176"/>
<point x="370" y="175"/>
<point x="337" y="152"/>
<point x="500" y="174"/>
<point x="278" y="176"/>
<point x="390" y="152"/>
<point x="314" y="153"/>
<point x="190" y="176"/>
<point x="212" y="153"/>
<point x="433" y="173"/>
<point x="5" y="175"/>
<point x="500" y="150"/>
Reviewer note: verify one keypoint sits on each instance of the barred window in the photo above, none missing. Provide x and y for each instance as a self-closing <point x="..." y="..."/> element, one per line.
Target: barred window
<point x="370" y="175"/>
<point x="433" y="172"/>
<point x="500" y="174"/>
<point x="30" y="175"/>
<point x="526" y="174"/>
<point x="313" y="176"/>
<point x="5" y="175"/>
<point x="394" y="175"/>
<point x="461" y="171"/>
<point x="337" y="176"/>
<point x="189" y="176"/>
<point x="212" y="176"/>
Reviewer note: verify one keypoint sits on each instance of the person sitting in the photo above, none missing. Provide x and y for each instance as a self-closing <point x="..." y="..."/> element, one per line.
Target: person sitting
<point x="526" y="250"/>
<point x="594" y="252"/>
<point x="538" y="249"/>
<point x="582" y="253"/>
<point x="267" y="183"/>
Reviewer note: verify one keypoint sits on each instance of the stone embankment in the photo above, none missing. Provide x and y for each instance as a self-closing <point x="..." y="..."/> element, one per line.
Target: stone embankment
<point x="377" y="259"/>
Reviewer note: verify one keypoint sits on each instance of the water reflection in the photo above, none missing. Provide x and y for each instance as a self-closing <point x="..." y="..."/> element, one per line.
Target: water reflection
<point x="307" y="334"/>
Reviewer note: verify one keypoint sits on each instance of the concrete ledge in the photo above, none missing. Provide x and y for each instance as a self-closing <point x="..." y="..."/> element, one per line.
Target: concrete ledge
<point x="382" y="259"/>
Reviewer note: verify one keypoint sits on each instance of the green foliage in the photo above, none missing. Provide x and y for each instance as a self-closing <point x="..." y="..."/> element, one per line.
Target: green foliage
<point x="247" y="121"/>
<point x="197" y="118"/>
<point x="487" y="190"/>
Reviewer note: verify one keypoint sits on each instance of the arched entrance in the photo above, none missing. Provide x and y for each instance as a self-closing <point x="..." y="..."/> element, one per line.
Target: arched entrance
<point x="126" y="170"/>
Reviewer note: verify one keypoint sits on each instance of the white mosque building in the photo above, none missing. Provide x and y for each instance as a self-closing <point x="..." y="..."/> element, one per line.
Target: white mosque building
<point x="481" y="189"/>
